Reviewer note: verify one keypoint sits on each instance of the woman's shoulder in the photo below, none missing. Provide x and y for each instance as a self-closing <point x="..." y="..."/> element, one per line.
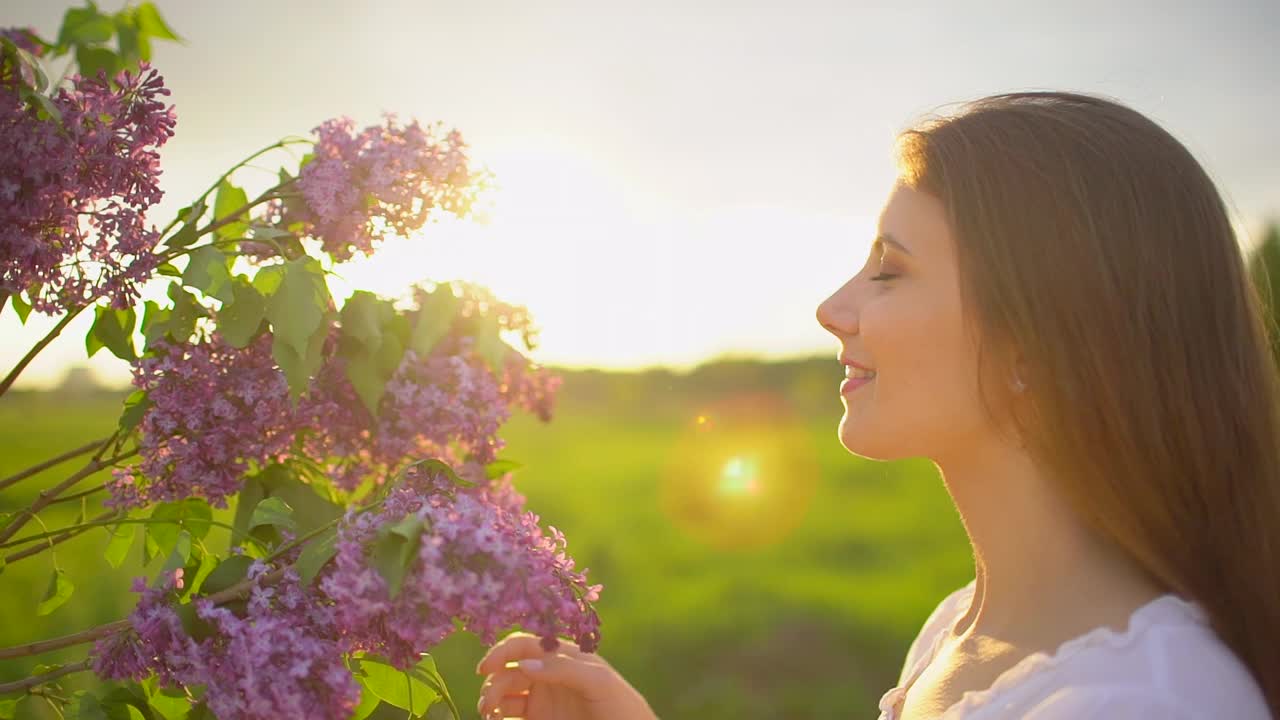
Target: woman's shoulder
<point x="938" y="622"/>
<point x="1169" y="662"/>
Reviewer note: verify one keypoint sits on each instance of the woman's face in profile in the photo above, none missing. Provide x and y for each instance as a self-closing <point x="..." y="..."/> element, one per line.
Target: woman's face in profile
<point x="900" y="315"/>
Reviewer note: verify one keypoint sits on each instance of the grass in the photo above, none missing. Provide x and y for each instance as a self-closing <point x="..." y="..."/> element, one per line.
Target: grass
<point x="752" y="567"/>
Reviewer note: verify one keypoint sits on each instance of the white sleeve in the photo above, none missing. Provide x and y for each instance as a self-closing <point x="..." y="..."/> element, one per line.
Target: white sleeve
<point x="1111" y="702"/>
<point x="934" y="624"/>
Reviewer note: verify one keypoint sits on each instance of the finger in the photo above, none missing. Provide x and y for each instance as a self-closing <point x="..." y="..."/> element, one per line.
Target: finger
<point x="589" y="679"/>
<point x="517" y="646"/>
<point x="501" y="684"/>
<point x="514" y="706"/>
<point x="506" y="706"/>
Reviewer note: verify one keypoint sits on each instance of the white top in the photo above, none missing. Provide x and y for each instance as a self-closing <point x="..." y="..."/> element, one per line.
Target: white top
<point x="1169" y="663"/>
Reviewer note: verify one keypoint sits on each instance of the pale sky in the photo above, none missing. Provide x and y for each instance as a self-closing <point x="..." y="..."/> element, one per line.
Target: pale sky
<point x="679" y="179"/>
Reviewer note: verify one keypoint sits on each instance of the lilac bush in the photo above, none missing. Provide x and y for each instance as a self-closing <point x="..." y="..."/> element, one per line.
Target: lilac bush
<point x="356" y="441"/>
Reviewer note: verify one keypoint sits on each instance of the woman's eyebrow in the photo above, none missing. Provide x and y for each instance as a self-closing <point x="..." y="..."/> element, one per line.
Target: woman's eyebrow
<point x="889" y="239"/>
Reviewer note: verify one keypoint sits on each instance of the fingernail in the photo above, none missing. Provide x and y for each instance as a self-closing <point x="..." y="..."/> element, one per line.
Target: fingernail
<point x="531" y="664"/>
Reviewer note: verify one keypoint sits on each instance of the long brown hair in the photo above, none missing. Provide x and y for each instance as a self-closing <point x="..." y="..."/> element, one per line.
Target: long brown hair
<point x="1091" y="241"/>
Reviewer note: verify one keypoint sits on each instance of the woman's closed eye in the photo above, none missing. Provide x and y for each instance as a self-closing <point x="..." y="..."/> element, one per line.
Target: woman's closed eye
<point x="884" y="276"/>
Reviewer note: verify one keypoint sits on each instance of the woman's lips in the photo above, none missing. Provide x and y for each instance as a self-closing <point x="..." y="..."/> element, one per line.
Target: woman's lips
<point x="851" y="384"/>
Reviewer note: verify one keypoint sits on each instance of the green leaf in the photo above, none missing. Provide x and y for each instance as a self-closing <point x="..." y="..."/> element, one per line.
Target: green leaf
<point x="93" y="60"/>
<point x="21" y="307"/>
<point x="196" y="572"/>
<point x="500" y="467"/>
<point x="299" y="305"/>
<point x="191" y="514"/>
<point x="427" y="672"/>
<point x="365" y="347"/>
<point x="316" y="554"/>
<point x="58" y="592"/>
<point x="434" y="319"/>
<point x="240" y="320"/>
<point x="168" y="270"/>
<point x="179" y="557"/>
<point x="92" y="343"/>
<point x="230" y="571"/>
<point x="229" y="200"/>
<point x="200" y="711"/>
<point x="297" y="310"/>
<point x="368" y="703"/>
<point x="121" y="703"/>
<point x="170" y="707"/>
<point x="273" y="511"/>
<point x="135" y="407"/>
<point x="310" y="510"/>
<point x="9" y="707"/>
<point x="367" y="379"/>
<point x="42" y="102"/>
<point x="177" y="322"/>
<point x="363" y="316"/>
<point x="251" y="493"/>
<point x="84" y="26"/>
<point x="397" y="687"/>
<point x="150" y="22"/>
<point x="267" y="232"/>
<point x="154" y="321"/>
<point x="134" y="44"/>
<point x="268" y="279"/>
<point x="118" y="546"/>
<point x="396" y="549"/>
<point x="209" y="271"/>
<point x="85" y="706"/>
<point x="112" y="329"/>
<point x="299" y="369"/>
<point x="490" y="346"/>
<point x="435" y="465"/>
<point x="188" y="217"/>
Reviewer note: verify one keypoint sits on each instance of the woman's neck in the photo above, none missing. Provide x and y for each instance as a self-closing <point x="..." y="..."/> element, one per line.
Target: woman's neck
<point x="1040" y="576"/>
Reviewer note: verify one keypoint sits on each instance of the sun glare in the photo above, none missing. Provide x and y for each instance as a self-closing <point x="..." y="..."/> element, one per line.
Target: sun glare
<point x="741" y="474"/>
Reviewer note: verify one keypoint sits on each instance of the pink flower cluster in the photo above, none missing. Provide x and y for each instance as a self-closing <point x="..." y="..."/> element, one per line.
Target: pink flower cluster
<point x="480" y="560"/>
<point x="214" y="409"/>
<point x="384" y="179"/>
<point x="74" y="192"/>
<point x="279" y="657"/>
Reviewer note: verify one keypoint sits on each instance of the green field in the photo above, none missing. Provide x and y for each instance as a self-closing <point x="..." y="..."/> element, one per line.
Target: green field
<point x="752" y="567"/>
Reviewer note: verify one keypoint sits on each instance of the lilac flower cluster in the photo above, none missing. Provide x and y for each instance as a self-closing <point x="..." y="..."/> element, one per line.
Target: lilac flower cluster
<point x="480" y="560"/>
<point x="214" y="409"/>
<point x="438" y="398"/>
<point x="384" y="179"/>
<point x="279" y="657"/>
<point x="74" y="192"/>
<point x="24" y="38"/>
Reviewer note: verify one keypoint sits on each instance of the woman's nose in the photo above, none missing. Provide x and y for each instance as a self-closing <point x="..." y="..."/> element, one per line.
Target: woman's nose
<point x="837" y="315"/>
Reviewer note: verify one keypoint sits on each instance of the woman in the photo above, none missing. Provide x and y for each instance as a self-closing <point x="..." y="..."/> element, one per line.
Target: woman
<point x="1057" y="313"/>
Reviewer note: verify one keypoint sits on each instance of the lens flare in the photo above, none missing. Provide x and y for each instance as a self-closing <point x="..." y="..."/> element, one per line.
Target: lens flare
<point x="741" y="474"/>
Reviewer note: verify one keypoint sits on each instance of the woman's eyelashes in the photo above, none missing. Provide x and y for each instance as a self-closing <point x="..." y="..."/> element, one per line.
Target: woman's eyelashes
<point x="884" y="276"/>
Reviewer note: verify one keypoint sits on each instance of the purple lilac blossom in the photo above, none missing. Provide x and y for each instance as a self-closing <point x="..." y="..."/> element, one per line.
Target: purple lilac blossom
<point x="73" y="194"/>
<point x="214" y="409"/>
<point x="24" y="38"/>
<point x="386" y="179"/>
<point x="481" y="560"/>
<point x="279" y="657"/>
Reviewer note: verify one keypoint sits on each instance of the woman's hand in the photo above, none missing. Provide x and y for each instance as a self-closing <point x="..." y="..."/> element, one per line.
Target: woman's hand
<point x="564" y="684"/>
